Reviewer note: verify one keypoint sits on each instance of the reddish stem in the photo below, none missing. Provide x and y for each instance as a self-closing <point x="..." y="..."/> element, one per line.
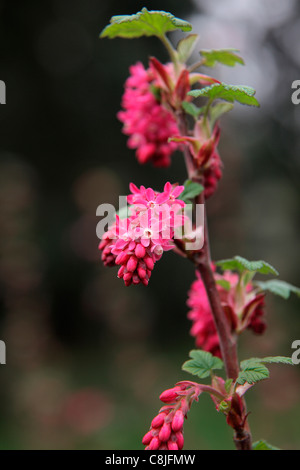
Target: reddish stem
<point x="202" y="259"/>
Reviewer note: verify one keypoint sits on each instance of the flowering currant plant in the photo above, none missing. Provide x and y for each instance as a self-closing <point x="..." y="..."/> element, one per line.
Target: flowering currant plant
<point x="166" y="108"/>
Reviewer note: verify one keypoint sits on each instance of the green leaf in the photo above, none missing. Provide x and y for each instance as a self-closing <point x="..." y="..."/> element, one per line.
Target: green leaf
<point x="192" y="109"/>
<point x="202" y="363"/>
<point x="144" y="23"/>
<point x="263" y="445"/>
<point x="242" y="264"/>
<point x="224" y="406"/>
<point x="254" y="370"/>
<point x="247" y="277"/>
<point x="223" y="283"/>
<point x="223" y="56"/>
<point x="277" y="287"/>
<point x="266" y="360"/>
<point x="217" y="110"/>
<point x="253" y="373"/>
<point x="186" y="46"/>
<point x="228" y="384"/>
<point x="241" y="93"/>
<point x="156" y="91"/>
<point x="191" y="190"/>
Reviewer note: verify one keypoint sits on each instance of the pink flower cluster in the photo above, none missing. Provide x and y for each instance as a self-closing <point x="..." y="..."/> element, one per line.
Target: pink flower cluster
<point x="166" y="430"/>
<point x="137" y="242"/>
<point x="146" y="121"/>
<point x="242" y="304"/>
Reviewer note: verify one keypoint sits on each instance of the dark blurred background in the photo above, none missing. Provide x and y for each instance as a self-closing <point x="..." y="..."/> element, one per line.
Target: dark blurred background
<point x="87" y="357"/>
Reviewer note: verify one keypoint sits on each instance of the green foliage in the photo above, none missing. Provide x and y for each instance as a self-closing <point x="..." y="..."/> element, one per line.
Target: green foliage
<point x="241" y="93"/>
<point x="192" y="109"/>
<point x="222" y="56"/>
<point x="217" y="110"/>
<point x="228" y="384"/>
<point x="224" y="406"/>
<point x="242" y="264"/>
<point x="263" y="445"/>
<point x="266" y="360"/>
<point x="191" y="190"/>
<point x="277" y="287"/>
<point x="202" y="363"/>
<point x="253" y="370"/>
<point x="185" y="47"/>
<point x="143" y="23"/>
<point x="253" y="373"/>
<point x="223" y="283"/>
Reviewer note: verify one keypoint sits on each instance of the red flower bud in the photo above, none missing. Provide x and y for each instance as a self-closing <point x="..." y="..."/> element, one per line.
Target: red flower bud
<point x="179" y="440"/>
<point x="154" y="444"/>
<point x="140" y="251"/>
<point x="132" y="264"/>
<point x="147" y="438"/>
<point x="158" y="420"/>
<point x="178" y="421"/>
<point x="169" y="395"/>
<point x="165" y="432"/>
<point x="172" y="445"/>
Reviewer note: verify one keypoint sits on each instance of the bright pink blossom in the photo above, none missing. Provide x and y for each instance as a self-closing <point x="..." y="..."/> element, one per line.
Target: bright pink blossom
<point x="136" y="243"/>
<point x="145" y="120"/>
<point x="243" y="306"/>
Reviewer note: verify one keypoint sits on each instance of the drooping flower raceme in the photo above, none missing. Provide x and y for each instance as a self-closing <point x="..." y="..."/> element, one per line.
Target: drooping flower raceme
<point x="242" y="304"/>
<point x="137" y="242"/>
<point x="145" y="120"/>
<point x="166" y="430"/>
<point x="150" y="97"/>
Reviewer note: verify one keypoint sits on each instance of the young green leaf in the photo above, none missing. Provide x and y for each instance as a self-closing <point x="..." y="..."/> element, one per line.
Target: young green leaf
<point x="186" y="46"/>
<point x="202" y="363"/>
<point x="192" y="109"/>
<point x="263" y="445"/>
<point x="227" y="385"/>
<point x="144" y="23"/>
<point x="254" y="372"/>
<point x="191" y="190"/>
<point x="242" y="264"/>
<point x="223" y="283"/>
<point x="217" y="110"/>
<point x="266" y="360"/>
<point x="223" y="56"/>
<point x="241" y="93"/>
<point x="277" y="287"/>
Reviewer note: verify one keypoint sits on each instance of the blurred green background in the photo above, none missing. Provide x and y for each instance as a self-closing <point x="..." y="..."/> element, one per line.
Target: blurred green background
<point x="87" y="357"/>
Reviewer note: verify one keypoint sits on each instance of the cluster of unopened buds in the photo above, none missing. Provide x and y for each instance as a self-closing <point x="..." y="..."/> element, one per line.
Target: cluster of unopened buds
<point x="242" y="303"/>
<point x="138" y="241"/>
<point x="166" y="431"/>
